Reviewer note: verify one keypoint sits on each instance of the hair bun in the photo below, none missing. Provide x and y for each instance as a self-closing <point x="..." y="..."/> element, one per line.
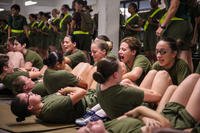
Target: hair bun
<point x="98" y="77"/>
<point x="20" y="119"/>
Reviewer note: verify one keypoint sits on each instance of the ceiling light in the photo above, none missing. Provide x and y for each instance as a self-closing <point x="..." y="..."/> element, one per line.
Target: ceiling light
<point x="30" y="2"/>
<point x="1" y="9"/>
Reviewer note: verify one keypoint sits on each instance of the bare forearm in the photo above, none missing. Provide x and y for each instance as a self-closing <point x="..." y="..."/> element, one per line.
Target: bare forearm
<point x="134" y="74"/>
<point x="77" y="95"/>
<point x="171" y="11"/>
<point x="146" y="112"/>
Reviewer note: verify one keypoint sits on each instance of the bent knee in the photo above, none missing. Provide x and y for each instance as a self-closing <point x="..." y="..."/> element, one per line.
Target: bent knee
<point x="163" y="73"/>
<point x="193" y="75"/>
<point x="152" y="72"/>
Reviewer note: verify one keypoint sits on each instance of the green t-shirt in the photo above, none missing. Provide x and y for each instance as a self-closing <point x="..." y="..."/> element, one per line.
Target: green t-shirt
<point x="55" y="80"/>
<point x="64" y="24"/>
<point x="182" y="11"/>
<point x="142" y="62"/>
<point x="59" y="108"/>
<point x="134" y="23"/>
<point x="40" y="89"/>
<point x="76" y="57"/>
<point x="118" y="99"/>
<point x="34" y="58"/>
<point x="17" y="22"/>
<point x="178" y="72"/>
<point x="9" y="78"/>
<point x="125" y="125"/>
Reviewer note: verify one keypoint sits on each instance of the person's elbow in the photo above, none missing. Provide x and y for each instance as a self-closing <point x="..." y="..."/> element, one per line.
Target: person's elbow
<point x="152" y="96"/>
<point x="82" y="84"/>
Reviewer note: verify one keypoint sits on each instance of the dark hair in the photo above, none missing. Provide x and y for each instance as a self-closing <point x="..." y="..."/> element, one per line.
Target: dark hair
<point x="33" y="16"/>
<point x="105" y="68"/>
<point x="72" y="38"/>
<point x="66" y="7"/>
<point x="41" y="13"/>
<point x="16" y="7"/>
<point x="171" y="42"/>
<point x="88" y="8"/>
<point x="12" y="39"/>
<point x="133" y="43"/>
<point x="53" y="58"/>
<point x="81" y="2"/>
<point x="103" y="37"/>
<point x="3" y="61"/>
<point x="18" y="85"/>
<point x="134" y="5"/>
<point x="47" y="15"/>
<point x="23" y="40"/>
<point x="20" y="109"/>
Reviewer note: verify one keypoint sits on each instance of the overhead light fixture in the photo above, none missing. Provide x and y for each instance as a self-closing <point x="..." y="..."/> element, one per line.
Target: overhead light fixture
<point x="30" y="2"/>
<point x="1" y="9"/>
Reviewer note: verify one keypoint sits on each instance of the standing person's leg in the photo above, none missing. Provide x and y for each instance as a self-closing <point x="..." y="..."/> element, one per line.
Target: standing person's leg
<point x="186" y="55"/>
<point x="161" y="81"/>
<point x="148" y="79"/>
<point x="192" y="106"/>
<point x="184" y="90"/>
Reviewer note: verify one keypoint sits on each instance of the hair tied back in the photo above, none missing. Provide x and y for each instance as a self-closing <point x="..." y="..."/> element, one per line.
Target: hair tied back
<point x="98" y="77"/>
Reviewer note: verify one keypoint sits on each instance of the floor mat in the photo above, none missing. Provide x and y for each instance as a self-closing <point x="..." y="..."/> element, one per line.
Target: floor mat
<point x="8" y="123"/>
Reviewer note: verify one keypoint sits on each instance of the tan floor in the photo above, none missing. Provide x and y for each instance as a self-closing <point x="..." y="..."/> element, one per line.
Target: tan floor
<point x="8" y="122"/>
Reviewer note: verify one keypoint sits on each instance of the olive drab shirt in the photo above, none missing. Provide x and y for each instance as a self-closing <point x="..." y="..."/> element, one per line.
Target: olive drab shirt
<point x="112" y="100"/>
<point x="34" y="58"/>
<point x="59" y="108"/>
<point x="9" y="78"/>
<point x="133" y="22"/>
<point x="76" y="57"/>
<point x="54" y="80"/>
<point x="142" y="62"/>
<point x="17" y="24"/>
<point x="178" y="72"/>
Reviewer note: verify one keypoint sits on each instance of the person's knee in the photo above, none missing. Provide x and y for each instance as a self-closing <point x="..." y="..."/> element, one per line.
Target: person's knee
<point x="126" y="81"/>
<point x="152" y="72"/>
<point x="193" y="76"/>
<point x="164" y="75"/>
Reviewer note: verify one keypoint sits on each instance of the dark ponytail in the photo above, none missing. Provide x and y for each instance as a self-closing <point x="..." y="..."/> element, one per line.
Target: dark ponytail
<point x="53" y="58"/>
<point x="20" y="109"/>
<point x="105" y="68"/>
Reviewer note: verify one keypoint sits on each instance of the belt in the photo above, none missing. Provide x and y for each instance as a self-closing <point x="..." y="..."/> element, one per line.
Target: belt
<point x="80" y="32"/>
<point x="17" y="31"/>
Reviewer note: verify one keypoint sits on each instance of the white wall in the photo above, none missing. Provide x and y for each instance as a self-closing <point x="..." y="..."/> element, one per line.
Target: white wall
<point x="109" y="20"/>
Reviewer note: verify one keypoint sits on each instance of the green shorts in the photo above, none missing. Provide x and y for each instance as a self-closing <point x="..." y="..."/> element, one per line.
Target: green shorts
<point x="178" y="116"/>
<point x="125" y="125"/>
<point x="83" y="41"/>
<point x="150" y="40"/>
<point x="180" y="29"/>
<point x="90" y="99"/>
